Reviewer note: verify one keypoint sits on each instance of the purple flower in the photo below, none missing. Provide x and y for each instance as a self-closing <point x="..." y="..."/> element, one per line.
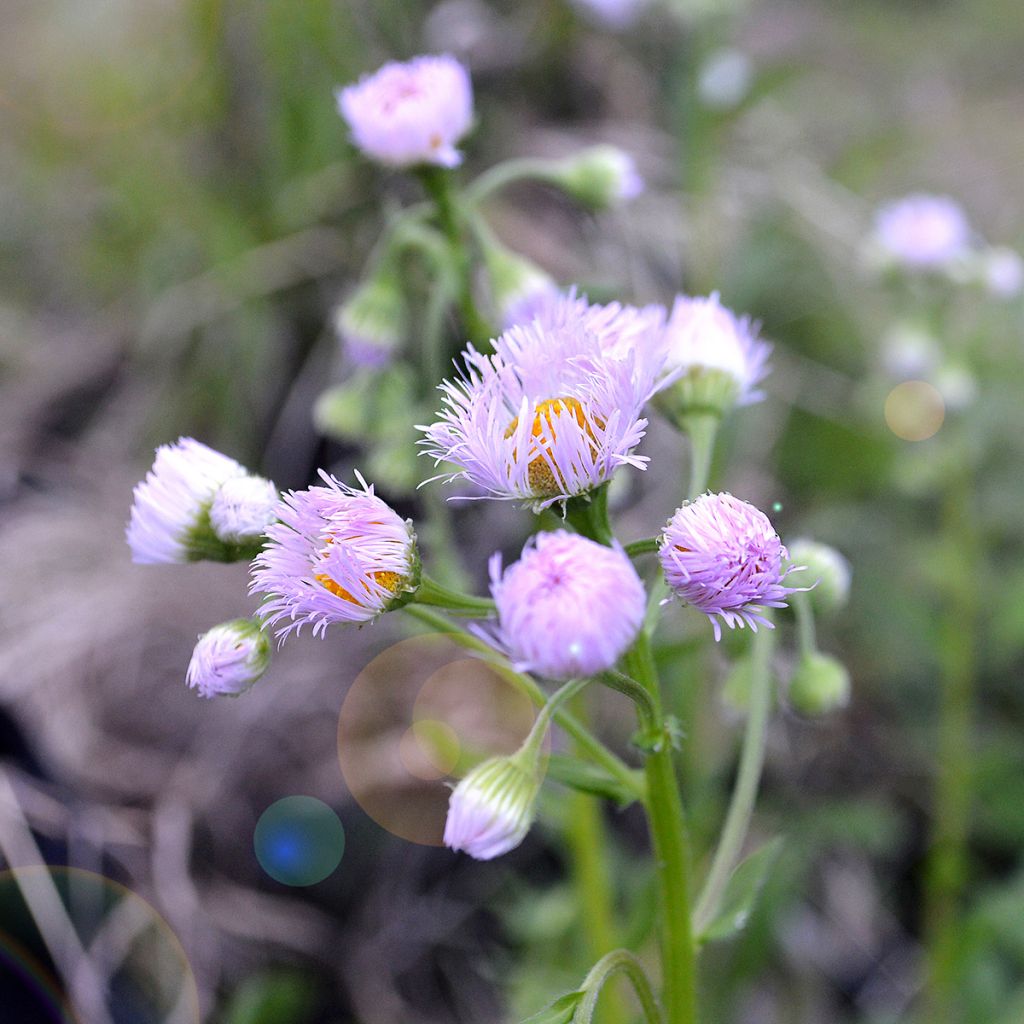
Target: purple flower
<point x="723" y="556"/>
<point x="337" y="555"/>
<point x="491" y="810"/>
<point x="243" y="508"/>
<point x="410" y="113"/>
<point x="922" y="232"/>
<point x="569" y="607"/>
<point x="705" y="340"/>
<point x="548" y="416"/>
<point x="228" y="659"/>
<point x="170" y="504"/>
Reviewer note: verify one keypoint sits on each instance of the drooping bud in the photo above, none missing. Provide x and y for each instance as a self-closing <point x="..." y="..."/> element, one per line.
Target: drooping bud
<point x="600" y="177"/>
<point x="520" y="289"/>
<point x="228" y="659"/>
<point x="491" y="810"/>
<point x="372" y="323"/>
<point x="826" y="565"/>
<point x="821" y="684"/>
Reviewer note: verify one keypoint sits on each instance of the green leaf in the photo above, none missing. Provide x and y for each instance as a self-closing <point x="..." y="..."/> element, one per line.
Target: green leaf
<point x="561" y="1011"/>
<point x="589" y="778"/>
<point x="741" y="893"/>
<point x="272" y="999"/>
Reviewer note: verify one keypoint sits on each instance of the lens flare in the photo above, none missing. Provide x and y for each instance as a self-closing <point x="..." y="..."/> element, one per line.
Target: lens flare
<point x="299" y="841"/>
<point x="914" y="410"/>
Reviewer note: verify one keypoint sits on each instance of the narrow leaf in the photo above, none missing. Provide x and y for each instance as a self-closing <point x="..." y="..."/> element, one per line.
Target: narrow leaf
<point x="742" y="892"/>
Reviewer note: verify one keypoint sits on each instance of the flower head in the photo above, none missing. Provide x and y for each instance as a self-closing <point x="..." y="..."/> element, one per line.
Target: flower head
<point x="170" y="516"/>
<point x="723" y="556"/>
<point x="521" y="290"/>
<point x="569" y="607"/>
<point x="600" y="177"/>
<point x="553" y="412"/>
<point x="491" y="810"/>
<point x="228" y="659"/>
<point x="717" y="357"/>
<point x="922" y="232"/>
<point x="410" y="113"/>
<point x="372" y="323"/>
<point x="243" y="508"/>
<point x="337" y="555"/>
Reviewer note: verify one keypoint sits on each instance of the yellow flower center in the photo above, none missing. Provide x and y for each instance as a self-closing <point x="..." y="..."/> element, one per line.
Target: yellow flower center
<point x="543" y="475"/>
<point x="390" y="581"/>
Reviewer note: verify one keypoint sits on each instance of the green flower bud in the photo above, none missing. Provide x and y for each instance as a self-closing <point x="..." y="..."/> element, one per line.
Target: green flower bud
<point x="820" y="684"/>
<point x="372" y="323"/>
<point x="825" y="566"/>
<point x="600" y="177"/>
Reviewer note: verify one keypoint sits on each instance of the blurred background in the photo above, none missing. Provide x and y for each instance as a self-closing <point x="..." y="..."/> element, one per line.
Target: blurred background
<point x="180" y="214"/>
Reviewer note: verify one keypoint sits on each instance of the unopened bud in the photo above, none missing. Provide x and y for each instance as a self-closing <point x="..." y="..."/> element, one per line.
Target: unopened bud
<point x="821" y="684"/>
<point x="828" y="568"/>
<point x="228" y="659"/>
<point x="600" y="177"/>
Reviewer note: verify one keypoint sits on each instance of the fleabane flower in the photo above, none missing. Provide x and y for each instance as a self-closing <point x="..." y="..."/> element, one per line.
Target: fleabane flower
<point x="228" y="659"/>
<point x="372" y="322"/>
<point x="171" y="518"/>
<point x="600" y="177"/>
<point x="336" y="555"/>
<point x="491" y="810"/>
<point x="921" y="232"/>
<point x="723" y="556"/>
<point x="716" y="356"/>
<point x="569" y="607"/>
<point x="520" y="289"/>
<point x="410" y="113"/>
<point x="547" y="417"/>
<point x="243" y="508"/>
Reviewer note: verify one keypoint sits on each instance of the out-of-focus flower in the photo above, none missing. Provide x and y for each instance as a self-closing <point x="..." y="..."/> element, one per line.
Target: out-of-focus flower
<point x="170" y="518"/>
<point x="957" y="386"/>
<point x="600" y="177"/>
<point x="921" y="232"/>
<point x="337" y="555"/>
<point x="228" y="659"/>
<point x="821" y="684"/>
<point x="828" y="567"/>
<point x="615" y="14"/>
<point x="243" y="508"/>
<point x="372" y="323"/>
<point x="491" y="810"/>
<point x="410" y="113"/>
<point x="723" y="556"/>
<point x="569" y="607"/>
<point x="909" y="351"/>
<point x="717" y="356"/>
<point x="724" y="79"/>
<point x="1002" y="271"/>
<point x="520" y="289"/>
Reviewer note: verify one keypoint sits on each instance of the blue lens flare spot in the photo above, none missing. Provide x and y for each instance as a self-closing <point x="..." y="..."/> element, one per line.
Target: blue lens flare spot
<point x="299" y="840"/>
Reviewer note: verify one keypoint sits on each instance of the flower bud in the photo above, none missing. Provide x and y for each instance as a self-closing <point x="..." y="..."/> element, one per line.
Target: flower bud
<point x="492" y="808"/>
<point x="228" y="659"/>
<point x="820" y="684"/>
<point x="520" y="289"/>
<point x="243" y="508"/>
<point x="372" y="323"/>
<point x="600" y="177"/>
<point x="826" y="566"/>
<point x="1002" y="272"/>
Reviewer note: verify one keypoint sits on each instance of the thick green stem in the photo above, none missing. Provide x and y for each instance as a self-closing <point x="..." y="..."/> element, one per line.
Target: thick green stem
<point x="438" y="183"/>
<point x="946" y="870"/>
<point x="667" y="825"/>
<point x="748" y="777"/>
<point x="619" y="961"/>
<point x="702" y="429"/>
<point x="431" y="592"/>
<point x="588" y="515"/>
<point x="647" y="546"/>
<point x="589" y="744"/>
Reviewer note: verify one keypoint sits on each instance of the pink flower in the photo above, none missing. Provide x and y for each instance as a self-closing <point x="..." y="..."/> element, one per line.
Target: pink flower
<point x="337" y="555"/>
<point x="410" y="113"/>
<point x="723" y="556"/>
<point x="228" y="659"/>
<point x="922" y="232"/>
<point x="569" y="607"/>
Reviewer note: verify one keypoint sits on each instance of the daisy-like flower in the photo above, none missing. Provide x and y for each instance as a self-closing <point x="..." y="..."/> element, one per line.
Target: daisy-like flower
<point x="550" y="415"/>
<point x="243" y="508"/>
<point x="922" y="232"/>
<point x="410" y="113"/>
<point x="336" y="555"/>
<point x="170" y="518"/>
<point x="569" y="607"/>
<point x="723" y="556"/>
<point x="228" y="659"/>
<point x="491" y="810"/>
<point x="716" y="356"/>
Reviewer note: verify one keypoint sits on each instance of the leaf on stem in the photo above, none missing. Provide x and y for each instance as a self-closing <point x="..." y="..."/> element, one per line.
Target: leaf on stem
<point x="741" y="893"/>
<point x="590" y="778"/>
<point x="561" y="1011"/>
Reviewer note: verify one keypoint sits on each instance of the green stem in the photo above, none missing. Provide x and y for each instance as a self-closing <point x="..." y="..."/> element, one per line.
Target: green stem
<point x="438" y="183"/>
<point x="509" y="173"/>
<point x="667" y="825"/>
<point x="702" y="429"/>
<point x="806" y="632"/>
<point x="748" y="778"/>
<point x="588" y="743"/>
<point x="588" y="515"/>
<point x="617" y="962"/>
<point x="638" y="694"/>
<point x="947" y="866"/>
<point x="431" y="592"/>
<point x="647" y="546"/>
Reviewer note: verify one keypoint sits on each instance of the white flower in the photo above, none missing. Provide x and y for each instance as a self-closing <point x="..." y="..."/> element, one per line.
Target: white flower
<point x="228" y="659"/>
<point x="243" y="508"/>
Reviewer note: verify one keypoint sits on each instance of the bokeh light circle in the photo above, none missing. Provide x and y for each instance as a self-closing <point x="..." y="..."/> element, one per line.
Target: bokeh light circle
<point x="414" y="721"/>
<point x="914" y="410"/>
<point x="299" y="840"/>
<point x="134" y="966"/>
